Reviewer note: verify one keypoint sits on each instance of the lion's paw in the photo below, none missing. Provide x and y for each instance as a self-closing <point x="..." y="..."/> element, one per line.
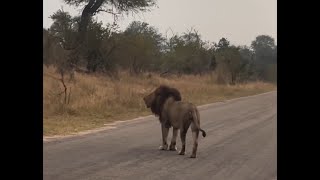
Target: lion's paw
<point x="173" y="148"/>
<point x="165" y="147"/>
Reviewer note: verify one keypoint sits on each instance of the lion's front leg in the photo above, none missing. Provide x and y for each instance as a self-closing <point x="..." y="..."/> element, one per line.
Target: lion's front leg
<point x="165" y="132"/>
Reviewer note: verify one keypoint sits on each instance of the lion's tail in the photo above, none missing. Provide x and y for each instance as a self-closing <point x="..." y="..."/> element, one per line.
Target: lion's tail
<point x="196" y="121"/>
<point x="204" y="134"/>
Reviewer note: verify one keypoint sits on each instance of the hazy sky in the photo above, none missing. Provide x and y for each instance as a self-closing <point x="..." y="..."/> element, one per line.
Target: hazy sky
<point x="240" y="21"/>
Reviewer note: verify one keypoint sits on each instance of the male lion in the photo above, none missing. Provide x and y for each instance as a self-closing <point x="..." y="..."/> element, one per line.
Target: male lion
<point x="165" y="102"/>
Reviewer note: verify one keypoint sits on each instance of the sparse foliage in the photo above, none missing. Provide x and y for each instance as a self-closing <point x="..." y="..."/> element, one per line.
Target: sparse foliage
<point x="230" y="59"/>
<point x="265" y="52"/>
<point x="141" y="48"/>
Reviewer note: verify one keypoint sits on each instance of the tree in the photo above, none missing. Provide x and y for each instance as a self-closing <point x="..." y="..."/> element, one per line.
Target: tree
<point x="229" y="61"/>
<point x="47" y="42"/>
<point x="141" y="28"/>
<point x="53" y="53"/>
<point x="92" y="7"/>
<point x="248" y="66"/>
<point x="265" y="52"/>
<point x="99" y="46"/>
<point x="63" y="28"/>
<point x="223" y="43"/>
<point x="263" y="47"/>
<point x="139" y="47"/>
<point x="187" y="54"/>
<point x="114" y="7"/>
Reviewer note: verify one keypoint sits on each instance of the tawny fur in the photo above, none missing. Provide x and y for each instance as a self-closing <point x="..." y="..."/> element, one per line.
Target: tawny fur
<point x="166" y="103"/>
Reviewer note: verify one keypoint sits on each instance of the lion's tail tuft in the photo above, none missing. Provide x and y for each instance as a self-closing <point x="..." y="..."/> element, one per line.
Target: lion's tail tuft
<point x="195" y="115"/>
<point x="204" y="134"/>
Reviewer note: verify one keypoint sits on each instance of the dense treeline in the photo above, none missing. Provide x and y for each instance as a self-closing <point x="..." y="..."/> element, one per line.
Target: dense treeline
<point x="141" y="48"/>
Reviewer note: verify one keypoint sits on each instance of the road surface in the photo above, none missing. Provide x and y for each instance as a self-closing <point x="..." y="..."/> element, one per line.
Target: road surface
<point x="241" y="144"/>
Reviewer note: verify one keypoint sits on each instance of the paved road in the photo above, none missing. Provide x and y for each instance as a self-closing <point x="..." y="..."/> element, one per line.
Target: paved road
<point x="241" y="144"/>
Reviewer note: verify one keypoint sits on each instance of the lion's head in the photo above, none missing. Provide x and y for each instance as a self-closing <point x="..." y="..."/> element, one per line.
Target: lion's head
<point x="157" y="98"/>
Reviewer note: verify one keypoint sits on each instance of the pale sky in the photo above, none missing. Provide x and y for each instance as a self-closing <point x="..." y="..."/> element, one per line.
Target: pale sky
<point x="240" y="21"/>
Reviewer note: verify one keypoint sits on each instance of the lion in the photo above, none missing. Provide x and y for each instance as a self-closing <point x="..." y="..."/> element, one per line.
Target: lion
<point x="166" y="103"/>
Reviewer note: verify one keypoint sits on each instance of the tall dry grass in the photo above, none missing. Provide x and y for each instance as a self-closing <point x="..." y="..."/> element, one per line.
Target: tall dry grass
<point x="97" y="99"/>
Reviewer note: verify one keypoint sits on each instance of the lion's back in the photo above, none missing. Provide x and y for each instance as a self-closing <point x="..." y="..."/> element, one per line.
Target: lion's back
<point x="180" y="111"/>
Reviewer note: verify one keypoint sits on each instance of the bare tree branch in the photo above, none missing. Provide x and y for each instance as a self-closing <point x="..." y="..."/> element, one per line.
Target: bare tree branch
<point x="65" y="88"/>
<point x="110" y="11"/>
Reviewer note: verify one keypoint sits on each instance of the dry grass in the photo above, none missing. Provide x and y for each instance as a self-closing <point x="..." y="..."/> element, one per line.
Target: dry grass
<point x="96" y="99"/>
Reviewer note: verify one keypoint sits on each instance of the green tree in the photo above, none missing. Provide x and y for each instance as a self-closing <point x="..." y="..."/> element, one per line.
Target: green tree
<point x="47" y="42"/>
<point x="265" y="52"/>
<point x="248" y="66"/>
<point x="139" y="47"/>
<point x="91" y="8"/>
<point x="115" y="7"/>
<point x="264" y="48"/>
<point x="187" y="54"/>
<point x="223" y="43"/>
<point x="229" y="61"/>
<point x="97" y="46"/>
<point x="63" y="28"/>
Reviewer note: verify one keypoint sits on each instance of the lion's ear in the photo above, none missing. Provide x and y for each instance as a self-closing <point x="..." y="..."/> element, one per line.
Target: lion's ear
<point x="175" y="93"/>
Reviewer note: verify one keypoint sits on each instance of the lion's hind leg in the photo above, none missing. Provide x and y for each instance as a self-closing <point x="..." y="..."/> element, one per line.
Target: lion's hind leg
<point x="174" y="139"/>
<point x="195" y="136"/>
<point x="183" y="133"/>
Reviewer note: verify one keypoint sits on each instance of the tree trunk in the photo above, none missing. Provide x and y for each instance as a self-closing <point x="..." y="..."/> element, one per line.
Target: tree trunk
<point x="233" y="79"/>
